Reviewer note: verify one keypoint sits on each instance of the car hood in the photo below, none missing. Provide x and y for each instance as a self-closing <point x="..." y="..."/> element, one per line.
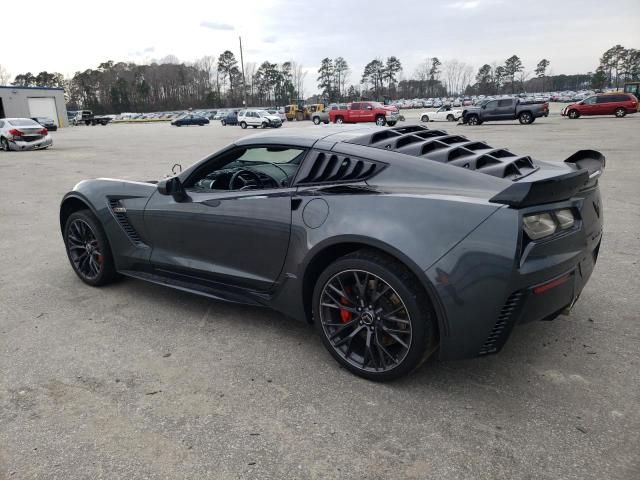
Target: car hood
<point x="272" y="117"/>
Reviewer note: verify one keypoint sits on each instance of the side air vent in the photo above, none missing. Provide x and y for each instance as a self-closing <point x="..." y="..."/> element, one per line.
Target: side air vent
<point x="329" y="167"/>
<point x="500" y="331"/>
<point x="119" y="212"/>
<point x="456" y="150"/>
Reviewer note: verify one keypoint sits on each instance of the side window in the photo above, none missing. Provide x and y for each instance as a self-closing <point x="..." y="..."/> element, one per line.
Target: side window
<point x="605" y="99"/>
<point x="356" y="106"/>
<point x="492" y="104"/>
<point x="622" y="98"/>
<point x="248" y="168"/>
<point x="504" y="103"/>
<point x="1" y="124"/>
<point x="589" y="101"/>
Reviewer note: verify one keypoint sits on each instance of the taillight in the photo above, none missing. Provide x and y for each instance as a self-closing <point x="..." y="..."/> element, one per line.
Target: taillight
<point x="15" y="132"/>
<point x="44" y="131"/>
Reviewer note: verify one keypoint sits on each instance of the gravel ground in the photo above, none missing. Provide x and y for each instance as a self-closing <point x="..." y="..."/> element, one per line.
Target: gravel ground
<point x="138" y="381"/>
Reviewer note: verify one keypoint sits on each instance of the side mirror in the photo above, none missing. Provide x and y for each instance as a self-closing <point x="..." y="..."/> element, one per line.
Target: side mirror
<point x="172" y="186"/>
<point x="484" y="106"/>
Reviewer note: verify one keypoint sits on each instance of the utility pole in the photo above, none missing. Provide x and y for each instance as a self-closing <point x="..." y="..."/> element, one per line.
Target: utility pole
<point x="244" y="85"/>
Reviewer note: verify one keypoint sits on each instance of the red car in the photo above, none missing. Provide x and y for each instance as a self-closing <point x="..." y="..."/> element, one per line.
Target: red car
<point x="618" y="104"/>
<point x="358" y="112"/>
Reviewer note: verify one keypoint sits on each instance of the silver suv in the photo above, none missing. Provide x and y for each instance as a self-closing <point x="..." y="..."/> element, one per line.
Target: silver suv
<point x="258" y="118"/>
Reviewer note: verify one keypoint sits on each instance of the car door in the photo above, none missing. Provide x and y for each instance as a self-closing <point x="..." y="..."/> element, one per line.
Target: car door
<point x="490" y="110"/>
<point x="233" y="237"/>
<point x="605" y="105"/>
<point x="588" y="106"/>
<point x="505" y="109"/>
<point x="366" y="113"/>
<point x="355" y="112"/>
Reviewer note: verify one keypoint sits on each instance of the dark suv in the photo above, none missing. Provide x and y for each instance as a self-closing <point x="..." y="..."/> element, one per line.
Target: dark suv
<point x="618" y="104"/>
<point x="505" y="109"/>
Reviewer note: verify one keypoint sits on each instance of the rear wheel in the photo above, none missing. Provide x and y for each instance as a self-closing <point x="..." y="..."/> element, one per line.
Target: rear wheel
<point x="4" y="144"/>
<point x="424" y="118"/>
<point x="316" y="120"/>
<point x="265" y="124"/>
<point x="574" y="114"/>
<point x="223" y="123"/>
<point x="620" y="112"/>
<point x="380" y="121"/>
<point x="339" y="120"/>
<point x="525" y="118"/>
<point x="243" y="124"/>
<point x="373" y="316"/>
<point x="88" y="249"/>
<point x="451" y="118"/>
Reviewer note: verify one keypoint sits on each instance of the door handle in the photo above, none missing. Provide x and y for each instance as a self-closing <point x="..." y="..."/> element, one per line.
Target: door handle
<point x="212" y="203"/>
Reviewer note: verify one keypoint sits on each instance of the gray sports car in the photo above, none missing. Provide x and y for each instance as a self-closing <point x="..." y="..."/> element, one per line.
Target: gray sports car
<point x="397" y="243"/>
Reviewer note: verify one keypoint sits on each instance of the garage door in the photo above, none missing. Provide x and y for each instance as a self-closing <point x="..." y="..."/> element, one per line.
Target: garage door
<point x="43" y="107"/>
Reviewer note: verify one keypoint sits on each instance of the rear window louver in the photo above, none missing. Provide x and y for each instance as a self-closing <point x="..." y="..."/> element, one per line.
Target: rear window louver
<point x="456" y="150"/>
<point x="329" y="167"/>
<point x="115" y="206"/>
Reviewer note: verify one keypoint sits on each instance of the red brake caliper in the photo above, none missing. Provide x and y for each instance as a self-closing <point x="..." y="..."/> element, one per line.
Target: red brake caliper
<point x="345" y="315"/>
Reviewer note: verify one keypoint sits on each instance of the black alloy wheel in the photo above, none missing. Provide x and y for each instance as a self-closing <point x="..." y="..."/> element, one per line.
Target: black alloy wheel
<point x="88" y="249"/>
<point x="373" y="316"/>
<point x="473" y="120"/>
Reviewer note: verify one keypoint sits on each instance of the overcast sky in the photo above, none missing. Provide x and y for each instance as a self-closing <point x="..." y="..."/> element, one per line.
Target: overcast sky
<point x="68" y="35"/>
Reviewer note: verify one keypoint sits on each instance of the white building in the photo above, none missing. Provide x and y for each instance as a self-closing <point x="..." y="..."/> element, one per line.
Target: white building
<point x="29" y="102"/>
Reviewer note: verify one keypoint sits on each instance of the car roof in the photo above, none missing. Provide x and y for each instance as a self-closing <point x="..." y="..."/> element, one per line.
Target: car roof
<point x="307" y="137"/>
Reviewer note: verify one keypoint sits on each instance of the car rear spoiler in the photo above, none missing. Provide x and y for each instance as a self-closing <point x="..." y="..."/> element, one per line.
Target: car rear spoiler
<point x="589" y="165"/>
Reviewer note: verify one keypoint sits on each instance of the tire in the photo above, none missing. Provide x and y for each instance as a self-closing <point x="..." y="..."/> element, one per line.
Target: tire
<point x="100" y="268"/>
<point x="224" y="124"/>
<point x="4" y="145"/>
<point x="525" y="118"/>
<point x="396" y="345"/>
<point x="339" y="120"/>
<point x="620" y="112"/>
<point x="254" y="126"/>
<point x="573" y="114"/>
<point x="391" y="124"/>
<point x="87" y="123"/>
<point x="381" y="121"/>
<point x="316" y="120"/>
<point x="424" y="118"/>
<point x="451" y="118"/>
<point x="473" y="120"/>
<point x="243" y="125"/>
<point x="264" y="125"/>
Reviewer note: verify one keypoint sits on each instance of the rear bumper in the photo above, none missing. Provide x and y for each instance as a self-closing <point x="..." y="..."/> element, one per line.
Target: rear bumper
<point x="17" y="145"/>
<point x="493" y="280"/>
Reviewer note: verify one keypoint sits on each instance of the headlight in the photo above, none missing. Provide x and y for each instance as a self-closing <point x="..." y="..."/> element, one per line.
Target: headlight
<point x="542" y="225"/>
<point x="539" y="226"/>
<point x="565" y="218"/>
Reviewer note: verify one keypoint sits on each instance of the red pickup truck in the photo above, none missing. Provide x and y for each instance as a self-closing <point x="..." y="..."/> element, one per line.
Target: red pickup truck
<point x="358" y="112"/>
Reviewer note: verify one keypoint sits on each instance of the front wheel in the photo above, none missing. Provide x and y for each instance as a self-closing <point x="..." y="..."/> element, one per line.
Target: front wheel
<point x="224" y="124"/>
<point x="88" y="249"/>
<point x="264" y="125"/>
<point x="391" y="124"/>
<point x="620" y="112"/>
<point x="473" y="120"/>
<point x="451" y="118"/>
<point x="4" y="144"/>
<point x="573" y="114"/>
<point x="243" y="125"/>
<point x="316" y="120"/>
<point x="373" y="316"/>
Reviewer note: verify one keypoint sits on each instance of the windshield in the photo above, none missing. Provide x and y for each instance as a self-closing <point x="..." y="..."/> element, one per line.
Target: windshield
<point x="23" y="122"/>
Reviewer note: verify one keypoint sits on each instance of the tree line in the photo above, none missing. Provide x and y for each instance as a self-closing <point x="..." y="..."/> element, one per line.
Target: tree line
<point x="213" y="82"/>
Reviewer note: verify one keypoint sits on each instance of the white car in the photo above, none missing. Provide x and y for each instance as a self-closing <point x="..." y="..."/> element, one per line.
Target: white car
<point x="443" y="114"/>
<point x="23" y="134"/>
<point x="258" y="118"/>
